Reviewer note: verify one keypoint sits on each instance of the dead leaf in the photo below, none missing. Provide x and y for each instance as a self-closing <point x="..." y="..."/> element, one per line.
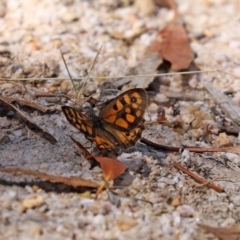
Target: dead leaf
<point x="177" y="201"/>
<point x="72" y="181"/>
<point x="224" y="233"/>
<point x="168" y="4"/>
<point x="173" y="44"/>
<point x="111" y="167"/>
<point x="161" y="3"/>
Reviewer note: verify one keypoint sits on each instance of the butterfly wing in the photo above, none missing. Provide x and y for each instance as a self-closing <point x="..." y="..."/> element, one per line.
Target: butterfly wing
<point x="125" y="112"/>
<point x="127" y="139"/>
<point x="100" y="137"/>
<point x="105" y="140"/>
<point x="80" y="121"/>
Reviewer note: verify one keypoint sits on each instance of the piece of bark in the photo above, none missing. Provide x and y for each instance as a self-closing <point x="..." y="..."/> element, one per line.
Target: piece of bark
<point x="24" y="103"/>
<point x="72" y="181"/>
<point x="29" y="122"/>
<point x="228" y="106"/>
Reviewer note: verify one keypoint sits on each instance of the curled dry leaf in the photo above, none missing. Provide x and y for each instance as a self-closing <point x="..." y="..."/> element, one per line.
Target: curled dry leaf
<point x="173" y="45"/>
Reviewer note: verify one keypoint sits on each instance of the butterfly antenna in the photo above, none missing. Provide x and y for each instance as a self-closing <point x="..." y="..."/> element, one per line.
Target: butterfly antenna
<point x="79" y="95"/>
<point x="90" y="70"/>
<point x="74" y="86"/>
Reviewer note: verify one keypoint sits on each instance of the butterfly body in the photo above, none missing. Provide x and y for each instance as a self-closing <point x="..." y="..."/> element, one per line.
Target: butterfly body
<point x="119" y="124"/>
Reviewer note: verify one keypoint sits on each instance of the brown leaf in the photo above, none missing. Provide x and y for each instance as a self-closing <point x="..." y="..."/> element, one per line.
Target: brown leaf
<point x="111" y="167"/>
<point x="72" y="181"/>
<point x="224" y="233"/>
<point x="173" y="44"/>
<point x="161" y="3"/>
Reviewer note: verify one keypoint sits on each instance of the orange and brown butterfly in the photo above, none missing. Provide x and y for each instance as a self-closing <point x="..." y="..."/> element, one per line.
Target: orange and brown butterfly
<point x="119" y="124"/>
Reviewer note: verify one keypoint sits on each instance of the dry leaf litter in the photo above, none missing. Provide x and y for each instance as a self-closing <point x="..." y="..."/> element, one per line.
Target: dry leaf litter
<point x="32" y="32"/>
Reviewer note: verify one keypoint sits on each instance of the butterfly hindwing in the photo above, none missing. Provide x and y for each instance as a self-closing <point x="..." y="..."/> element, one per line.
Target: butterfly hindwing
<point x="105" y="140"/>
<point x="128" y="139"/>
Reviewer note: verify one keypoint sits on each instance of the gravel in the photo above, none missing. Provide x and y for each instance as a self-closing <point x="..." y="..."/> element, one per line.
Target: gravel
<point x="161" y="202"/>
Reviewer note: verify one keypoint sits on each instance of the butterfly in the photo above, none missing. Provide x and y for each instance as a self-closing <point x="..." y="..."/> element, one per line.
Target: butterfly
<point x="118" y="125"/>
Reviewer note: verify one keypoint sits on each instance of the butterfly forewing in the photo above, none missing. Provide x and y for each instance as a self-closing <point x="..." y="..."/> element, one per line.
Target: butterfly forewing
<point x="125" y="112"/>
<point x="79" y="121"/>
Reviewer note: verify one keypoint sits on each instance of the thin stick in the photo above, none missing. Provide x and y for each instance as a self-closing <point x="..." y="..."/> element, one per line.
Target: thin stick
<point x="159" y="146"/>
<point x="197" y="178"/>
<point x="74" y="87"/>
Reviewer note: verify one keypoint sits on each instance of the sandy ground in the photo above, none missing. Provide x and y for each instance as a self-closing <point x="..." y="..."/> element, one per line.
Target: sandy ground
<point x="30" y="36"/>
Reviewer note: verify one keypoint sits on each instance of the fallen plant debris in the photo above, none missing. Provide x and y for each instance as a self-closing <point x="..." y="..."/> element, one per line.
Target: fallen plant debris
<point x="29" y="122"/>
<point x="173" y="44"/>
<point x="72" y="181"/>
<point x="111" y="167"/>
<point x="197" y="178"/>
<point x="231" y="149"/>
<point x="24" y="102"/>
<point x="228" y="106"/>
<point x="224" y="233"/>
<point x="42" y="210"/>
